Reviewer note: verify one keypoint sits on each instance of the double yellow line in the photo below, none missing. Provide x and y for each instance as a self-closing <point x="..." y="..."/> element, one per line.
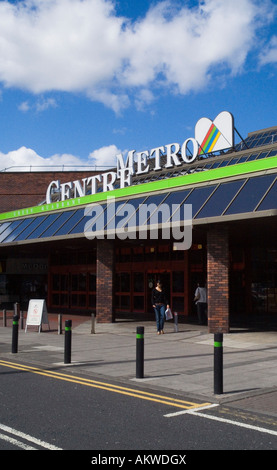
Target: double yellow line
<point x="106" y="386"/>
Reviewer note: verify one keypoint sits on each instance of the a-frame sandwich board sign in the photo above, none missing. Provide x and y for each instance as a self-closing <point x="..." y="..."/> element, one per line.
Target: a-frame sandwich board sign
<point x="37" y="314"/>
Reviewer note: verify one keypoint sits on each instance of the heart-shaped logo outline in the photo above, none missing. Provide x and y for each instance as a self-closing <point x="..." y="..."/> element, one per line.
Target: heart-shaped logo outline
<point x="216" y="135"/>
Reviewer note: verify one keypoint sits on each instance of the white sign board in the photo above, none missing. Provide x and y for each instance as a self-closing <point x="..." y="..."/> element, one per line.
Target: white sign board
<point x="37" y="313"/>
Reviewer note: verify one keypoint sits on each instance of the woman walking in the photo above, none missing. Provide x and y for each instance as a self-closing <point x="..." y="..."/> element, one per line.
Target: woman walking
<point x="160" y="303"/>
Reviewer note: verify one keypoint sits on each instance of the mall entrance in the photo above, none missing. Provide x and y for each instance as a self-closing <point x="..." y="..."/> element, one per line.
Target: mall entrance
<point x="138" y="268"/>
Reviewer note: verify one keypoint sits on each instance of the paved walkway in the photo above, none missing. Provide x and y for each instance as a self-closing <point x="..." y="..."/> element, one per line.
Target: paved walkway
<point x="177" y="362"/>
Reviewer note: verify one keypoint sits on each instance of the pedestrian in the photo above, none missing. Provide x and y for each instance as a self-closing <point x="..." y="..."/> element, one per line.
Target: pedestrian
<point x="200" y="298"/>
<point x="160" y="304"/>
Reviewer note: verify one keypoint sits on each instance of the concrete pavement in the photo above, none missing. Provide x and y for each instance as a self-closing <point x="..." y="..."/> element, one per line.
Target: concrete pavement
<point x="177" y="362"/>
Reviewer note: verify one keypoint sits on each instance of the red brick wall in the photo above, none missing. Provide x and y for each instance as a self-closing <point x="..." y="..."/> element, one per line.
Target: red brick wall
<point x="21" y="190"/>
<point x="104" y="281"/>
<point x="218" y="279"/>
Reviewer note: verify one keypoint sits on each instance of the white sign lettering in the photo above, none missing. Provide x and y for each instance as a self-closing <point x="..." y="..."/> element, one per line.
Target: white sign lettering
<point x="209" y="136"/>
<point x="125" y="171"/>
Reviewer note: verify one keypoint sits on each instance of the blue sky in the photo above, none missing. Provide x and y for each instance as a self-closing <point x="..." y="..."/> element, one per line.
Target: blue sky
<point x="82" y="80"/>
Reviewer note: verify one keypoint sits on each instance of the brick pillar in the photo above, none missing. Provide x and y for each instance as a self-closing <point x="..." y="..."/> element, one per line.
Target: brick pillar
<point x="218" y="279"/>
<point x="104" y="281"/>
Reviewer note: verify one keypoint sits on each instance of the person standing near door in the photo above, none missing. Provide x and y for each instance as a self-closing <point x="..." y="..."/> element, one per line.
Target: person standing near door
<point x="200" y="298"/>
<point x="160" y="303"/>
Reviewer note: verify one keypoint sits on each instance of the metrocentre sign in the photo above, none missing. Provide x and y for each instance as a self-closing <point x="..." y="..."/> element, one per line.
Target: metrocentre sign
<point x="210" y="136"/>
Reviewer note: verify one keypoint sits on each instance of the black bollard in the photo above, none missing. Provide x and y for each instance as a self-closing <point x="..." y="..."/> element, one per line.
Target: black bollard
<point x="67" y="342"/>
<point x="60" y="326"/>
<point x="176" y="322"/>
<point x="4" y="318"/>
<point x="140" y="352"/>
<point x="15" y="334"/>
<point x="218" y="363"/>
<point x="92" y="324"/>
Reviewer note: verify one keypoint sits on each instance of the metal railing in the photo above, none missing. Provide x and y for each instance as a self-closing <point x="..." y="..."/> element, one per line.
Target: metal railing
<point x="54" y="168"/>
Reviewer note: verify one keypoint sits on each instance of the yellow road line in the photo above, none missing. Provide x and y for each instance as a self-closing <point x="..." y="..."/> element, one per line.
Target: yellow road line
<point x="106" y="386"/>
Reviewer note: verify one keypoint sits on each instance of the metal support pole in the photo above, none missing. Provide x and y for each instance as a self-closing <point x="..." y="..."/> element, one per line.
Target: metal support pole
<point x="92" y="323"/>
<point x="176" y="321"/>
<point x="16" y="309"/>
<point x="60" y="327"/>
<point x="67" y="342"/>
<point x="140" y="352"/>
<point x="21" y="320"/>
<point x="218" y="363"/>
<point x="15" y="334"/>
<point x="4" y="318"/>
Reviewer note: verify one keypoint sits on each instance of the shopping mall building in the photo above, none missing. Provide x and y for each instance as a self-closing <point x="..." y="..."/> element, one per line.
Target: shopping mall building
<point x="203" y="210"/>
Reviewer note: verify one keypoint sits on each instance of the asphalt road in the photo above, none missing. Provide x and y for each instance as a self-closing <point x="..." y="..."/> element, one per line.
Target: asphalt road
<point x="51" y="410"/>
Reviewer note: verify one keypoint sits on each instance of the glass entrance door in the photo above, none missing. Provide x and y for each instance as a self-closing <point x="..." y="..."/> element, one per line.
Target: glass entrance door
<point x="59" y="290"/>
<point x="73" y="290"/>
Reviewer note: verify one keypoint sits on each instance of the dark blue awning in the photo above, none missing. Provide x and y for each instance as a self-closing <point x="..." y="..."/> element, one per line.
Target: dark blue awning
<point x="228" y="200"/>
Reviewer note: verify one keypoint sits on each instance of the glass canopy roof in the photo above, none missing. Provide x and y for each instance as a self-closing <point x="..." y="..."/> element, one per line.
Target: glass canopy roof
<point x="207" y="164"/>
<point x="257" y="139"/>
<point x="233" y="198"/>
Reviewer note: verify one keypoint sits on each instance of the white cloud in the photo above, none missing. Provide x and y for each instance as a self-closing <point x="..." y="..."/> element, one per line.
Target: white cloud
<point x="40" y="105"/>
<point x="26" y="159"/>
<point x="104" y="157"/>
<point x="45" y="103"/>
<point x="83" y="46"/>
<point x="67" y="45"/>
<point x="144" y="97"/>
<point x="182" y="49"/>
<point x="20" y="159"/>
<point x="269" y="55"/>
<point x="24" y="106"/>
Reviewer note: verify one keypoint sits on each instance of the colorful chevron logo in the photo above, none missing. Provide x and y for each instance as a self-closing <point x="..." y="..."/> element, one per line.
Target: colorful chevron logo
<point x="215" y="135"/>
<point x="210" y="140"/>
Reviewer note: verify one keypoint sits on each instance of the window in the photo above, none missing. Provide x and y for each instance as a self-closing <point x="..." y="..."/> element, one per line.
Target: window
<point x="178" y="281"/>
<point x="251" y="194"/>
